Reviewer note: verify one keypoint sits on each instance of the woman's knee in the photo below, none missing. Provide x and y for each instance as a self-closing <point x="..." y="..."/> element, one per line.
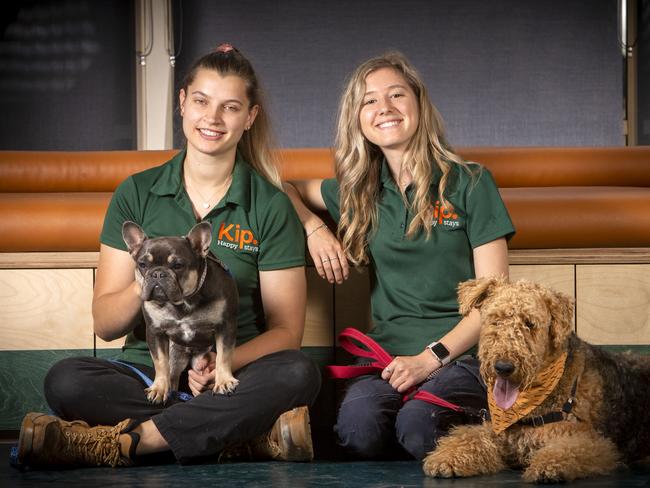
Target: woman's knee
<point x="362" y="432"/>
<point x="63" y="383"/>
<point x="297" y="373"/>
<point x="366" y="421"/>
<point x="418" y="428"/>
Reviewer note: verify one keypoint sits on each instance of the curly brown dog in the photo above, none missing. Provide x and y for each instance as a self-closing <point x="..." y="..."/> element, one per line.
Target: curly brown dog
<point x="560" y="408"/>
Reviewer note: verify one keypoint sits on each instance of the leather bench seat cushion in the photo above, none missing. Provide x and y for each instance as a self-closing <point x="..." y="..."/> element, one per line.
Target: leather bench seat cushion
<point x="102" y="171"/>
<point x="545" y="218"/>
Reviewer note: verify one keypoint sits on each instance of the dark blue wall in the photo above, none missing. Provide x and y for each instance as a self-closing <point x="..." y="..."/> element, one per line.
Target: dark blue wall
<point x="507" y="72"/>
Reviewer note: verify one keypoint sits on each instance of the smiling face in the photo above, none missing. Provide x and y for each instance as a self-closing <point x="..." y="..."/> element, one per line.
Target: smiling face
<point x="215" y="111"/>
<point x="389" y="112"/>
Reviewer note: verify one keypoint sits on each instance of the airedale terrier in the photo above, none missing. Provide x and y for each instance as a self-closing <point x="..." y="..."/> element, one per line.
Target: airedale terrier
<point x="560" y="408"/>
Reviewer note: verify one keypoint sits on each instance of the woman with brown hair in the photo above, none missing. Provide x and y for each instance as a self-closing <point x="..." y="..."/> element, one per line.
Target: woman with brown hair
<point x="226" y="175"/>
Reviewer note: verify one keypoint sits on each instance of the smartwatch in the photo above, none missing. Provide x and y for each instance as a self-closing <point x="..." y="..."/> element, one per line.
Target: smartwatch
<point x="440" y="352"/>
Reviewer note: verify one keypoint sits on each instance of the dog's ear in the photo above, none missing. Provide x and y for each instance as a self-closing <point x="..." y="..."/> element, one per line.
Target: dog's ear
<point x="200" y="238"/>
<point x="561" y="308"/>
<point x="133" y="236"/>
<point x="472" y="293"/>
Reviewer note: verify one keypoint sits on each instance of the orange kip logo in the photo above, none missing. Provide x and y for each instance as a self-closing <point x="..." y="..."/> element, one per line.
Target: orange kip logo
<point x="444" y="216"/>
<point x="234" y="237"/>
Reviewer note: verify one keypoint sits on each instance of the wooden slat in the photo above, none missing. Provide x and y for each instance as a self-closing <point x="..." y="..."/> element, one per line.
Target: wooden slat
<point x="57" y="260"/>
<point x="46" y="309"/>
<point x="613" y="303"/>
<point x="580" y="256"/>
<point x="515" y="256"/>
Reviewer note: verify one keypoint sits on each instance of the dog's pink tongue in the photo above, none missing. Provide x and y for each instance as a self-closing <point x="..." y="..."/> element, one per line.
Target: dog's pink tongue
<point x="505" y="393"/>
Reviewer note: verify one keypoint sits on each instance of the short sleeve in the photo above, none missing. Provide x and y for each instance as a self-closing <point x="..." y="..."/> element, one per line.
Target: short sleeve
<point x="282" y="240"/>
<point x="120" y="209"/>
<point x="487" y="216"/>
<point x="329" y="190"/>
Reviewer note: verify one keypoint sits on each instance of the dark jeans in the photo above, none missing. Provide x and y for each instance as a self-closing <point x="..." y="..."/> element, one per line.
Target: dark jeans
<point x="102" y="392"/>
<point x="373" y="422"/>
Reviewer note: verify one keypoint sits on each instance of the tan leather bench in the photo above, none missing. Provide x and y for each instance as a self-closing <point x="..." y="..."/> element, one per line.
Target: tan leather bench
<point x="557" y="197"/>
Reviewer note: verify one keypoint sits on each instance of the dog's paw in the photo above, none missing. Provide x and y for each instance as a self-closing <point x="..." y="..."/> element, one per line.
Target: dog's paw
<point x="225" y="387"/>
<point x="438" y="468"/>
<point x="157" y="393"/>
<point x="544" y="475"/>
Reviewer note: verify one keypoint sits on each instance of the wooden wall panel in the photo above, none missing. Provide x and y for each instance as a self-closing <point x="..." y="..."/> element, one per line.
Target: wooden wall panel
<point x="320" y="313"/>
<point x="558" y="277"/>
<point x="45" y="309"/>
<point x="101" y="344"/>
<point x="613" y="303"/>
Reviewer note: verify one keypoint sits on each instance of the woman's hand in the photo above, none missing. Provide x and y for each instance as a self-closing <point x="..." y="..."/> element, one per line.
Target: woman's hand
<point x="406" y="371"/>
<point x="201" y="376"/>
<point x="327" y="253"/>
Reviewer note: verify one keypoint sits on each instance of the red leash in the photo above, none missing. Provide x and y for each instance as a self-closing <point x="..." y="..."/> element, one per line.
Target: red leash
<point x="381" y="358"/>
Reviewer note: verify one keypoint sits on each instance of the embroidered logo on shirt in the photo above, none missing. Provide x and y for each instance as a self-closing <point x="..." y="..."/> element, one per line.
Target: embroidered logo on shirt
<point x="444" y="216"/>
<point x="233" y="236"/>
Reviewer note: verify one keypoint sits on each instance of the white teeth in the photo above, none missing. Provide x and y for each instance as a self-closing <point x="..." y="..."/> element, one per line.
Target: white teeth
<point x="392" y="123"/>
<point x="210" y="133"/>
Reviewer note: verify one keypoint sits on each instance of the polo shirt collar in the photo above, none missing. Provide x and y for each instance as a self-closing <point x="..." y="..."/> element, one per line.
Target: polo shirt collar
<point x="387" y="180"/>
<point x="170" y="182"/>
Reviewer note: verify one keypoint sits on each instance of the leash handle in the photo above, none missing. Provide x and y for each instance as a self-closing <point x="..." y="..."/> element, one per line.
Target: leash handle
<point x="373" y="351"/>
<point x="382" y="359"/>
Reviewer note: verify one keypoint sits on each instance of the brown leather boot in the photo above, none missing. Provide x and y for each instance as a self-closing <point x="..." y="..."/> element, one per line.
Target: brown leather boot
<point x="48" y="441"/>
<point x="288" y="440"/>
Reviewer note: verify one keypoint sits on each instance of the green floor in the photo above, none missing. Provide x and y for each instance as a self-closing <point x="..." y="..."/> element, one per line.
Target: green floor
<point x="294" y="475"/>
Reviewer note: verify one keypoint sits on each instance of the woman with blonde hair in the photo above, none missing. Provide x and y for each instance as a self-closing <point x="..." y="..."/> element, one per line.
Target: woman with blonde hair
<point x="226" y="176"/>
<point x="423" y="220"/>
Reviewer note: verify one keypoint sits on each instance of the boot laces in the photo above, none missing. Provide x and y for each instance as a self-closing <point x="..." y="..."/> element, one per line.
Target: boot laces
<point x="96" y="446"/>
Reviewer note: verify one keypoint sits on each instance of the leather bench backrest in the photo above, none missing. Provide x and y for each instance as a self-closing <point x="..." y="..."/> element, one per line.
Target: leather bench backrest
<point x="102" y="171"/>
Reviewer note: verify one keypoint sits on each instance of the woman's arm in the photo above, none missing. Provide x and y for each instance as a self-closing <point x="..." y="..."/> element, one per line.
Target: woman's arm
<point x="324" y="248"/>
<point x="116" y="295"/>
<point x="490" y="259"/>
<point x="284" y="298"/>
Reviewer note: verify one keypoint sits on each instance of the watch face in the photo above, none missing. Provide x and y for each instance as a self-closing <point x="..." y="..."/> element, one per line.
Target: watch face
<point x="440" y="350"/>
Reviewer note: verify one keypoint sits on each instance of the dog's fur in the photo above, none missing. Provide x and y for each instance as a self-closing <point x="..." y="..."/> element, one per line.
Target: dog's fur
<point x="187" y="307"/>
<point x="529" y="326"/>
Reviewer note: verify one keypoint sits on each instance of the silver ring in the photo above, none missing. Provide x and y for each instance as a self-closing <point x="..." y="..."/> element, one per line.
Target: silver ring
<point x="388" y="370"/>
<point x="325" y="260"/>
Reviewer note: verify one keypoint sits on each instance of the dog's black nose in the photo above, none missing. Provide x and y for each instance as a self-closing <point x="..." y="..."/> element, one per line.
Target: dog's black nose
<point x="504" y="368"/>
<point x="158" y="274"/>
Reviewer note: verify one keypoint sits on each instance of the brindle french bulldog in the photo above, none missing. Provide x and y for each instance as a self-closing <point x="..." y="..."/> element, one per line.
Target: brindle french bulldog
<point x="189" y="304"/>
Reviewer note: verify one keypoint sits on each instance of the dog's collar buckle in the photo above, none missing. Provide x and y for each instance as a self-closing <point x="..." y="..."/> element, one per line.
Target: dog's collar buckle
<point x="551" y="417"/>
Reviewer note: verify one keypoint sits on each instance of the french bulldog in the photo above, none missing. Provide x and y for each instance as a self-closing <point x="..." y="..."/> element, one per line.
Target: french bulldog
<point x="189" y="303"/>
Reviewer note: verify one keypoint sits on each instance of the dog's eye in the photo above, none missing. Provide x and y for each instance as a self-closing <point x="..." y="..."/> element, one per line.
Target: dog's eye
<point x="177" y="266"/>
<point x="529" y="324"/>
<point x="142" y="265"/>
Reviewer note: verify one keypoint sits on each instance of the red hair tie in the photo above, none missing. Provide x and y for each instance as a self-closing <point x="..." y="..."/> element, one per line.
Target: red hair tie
<point x="224" y="48"/>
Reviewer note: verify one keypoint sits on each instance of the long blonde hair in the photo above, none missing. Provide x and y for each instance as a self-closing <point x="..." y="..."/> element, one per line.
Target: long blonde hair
<point x="358" y="161"/>
<point x="256" y="143"/>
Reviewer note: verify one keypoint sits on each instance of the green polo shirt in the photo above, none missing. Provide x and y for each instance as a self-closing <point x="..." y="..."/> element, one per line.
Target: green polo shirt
<point x="255" y="228"/>
<point x="413" y="280"/>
